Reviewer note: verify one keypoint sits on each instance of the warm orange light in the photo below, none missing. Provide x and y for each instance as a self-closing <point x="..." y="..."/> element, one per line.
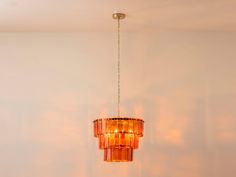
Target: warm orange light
<point x="118" y="137"/>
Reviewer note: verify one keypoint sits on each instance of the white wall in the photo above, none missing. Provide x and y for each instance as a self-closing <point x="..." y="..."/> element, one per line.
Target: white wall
<point x="52" y="86"/>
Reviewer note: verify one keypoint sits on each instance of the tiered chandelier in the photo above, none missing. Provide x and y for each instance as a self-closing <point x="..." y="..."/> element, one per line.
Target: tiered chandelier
<point x="118" y="136"/>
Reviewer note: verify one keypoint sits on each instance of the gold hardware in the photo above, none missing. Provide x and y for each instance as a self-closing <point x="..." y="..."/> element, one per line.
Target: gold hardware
<point x="118" y="16"/>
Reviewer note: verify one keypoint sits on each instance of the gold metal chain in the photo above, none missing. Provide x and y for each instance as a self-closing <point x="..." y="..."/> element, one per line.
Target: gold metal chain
<point x="118" y="69"/>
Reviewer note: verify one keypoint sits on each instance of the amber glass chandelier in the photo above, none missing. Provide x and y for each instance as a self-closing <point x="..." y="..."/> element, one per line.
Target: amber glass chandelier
<point x="118" y="136"/>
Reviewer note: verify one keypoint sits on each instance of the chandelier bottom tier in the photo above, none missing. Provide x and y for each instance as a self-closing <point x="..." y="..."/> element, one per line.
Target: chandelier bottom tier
<point x="118" y="137"/>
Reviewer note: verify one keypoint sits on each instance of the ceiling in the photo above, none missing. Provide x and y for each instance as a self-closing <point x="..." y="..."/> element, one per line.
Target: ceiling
<point x="94" y="15"/>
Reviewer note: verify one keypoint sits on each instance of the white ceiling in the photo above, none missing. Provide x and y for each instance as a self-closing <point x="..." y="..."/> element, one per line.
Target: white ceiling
<point x="95" y="15"/>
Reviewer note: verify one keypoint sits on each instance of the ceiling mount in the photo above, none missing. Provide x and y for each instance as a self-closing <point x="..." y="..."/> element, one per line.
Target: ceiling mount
<point x="118" y="16"/>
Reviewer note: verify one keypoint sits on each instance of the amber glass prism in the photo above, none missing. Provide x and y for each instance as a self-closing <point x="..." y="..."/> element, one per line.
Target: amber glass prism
<point x="118" y="137"/>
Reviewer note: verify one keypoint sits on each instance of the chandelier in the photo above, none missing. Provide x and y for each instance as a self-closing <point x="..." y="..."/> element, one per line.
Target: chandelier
<point x="118" y="136"/>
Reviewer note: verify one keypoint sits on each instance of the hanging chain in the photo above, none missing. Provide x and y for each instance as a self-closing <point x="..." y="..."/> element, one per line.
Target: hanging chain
<point x="118" y="69"/>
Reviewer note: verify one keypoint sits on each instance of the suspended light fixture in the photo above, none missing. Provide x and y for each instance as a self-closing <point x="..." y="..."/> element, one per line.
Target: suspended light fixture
<point x="118" y="136"/>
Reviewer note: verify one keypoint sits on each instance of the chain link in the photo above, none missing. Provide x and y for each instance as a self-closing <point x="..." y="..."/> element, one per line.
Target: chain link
<point x="118" y="69"/>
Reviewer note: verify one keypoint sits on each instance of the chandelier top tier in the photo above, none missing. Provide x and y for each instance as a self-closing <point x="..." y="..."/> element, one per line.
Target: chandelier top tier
<point x="118" y="136"/>
<point x="118" y="125"/>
